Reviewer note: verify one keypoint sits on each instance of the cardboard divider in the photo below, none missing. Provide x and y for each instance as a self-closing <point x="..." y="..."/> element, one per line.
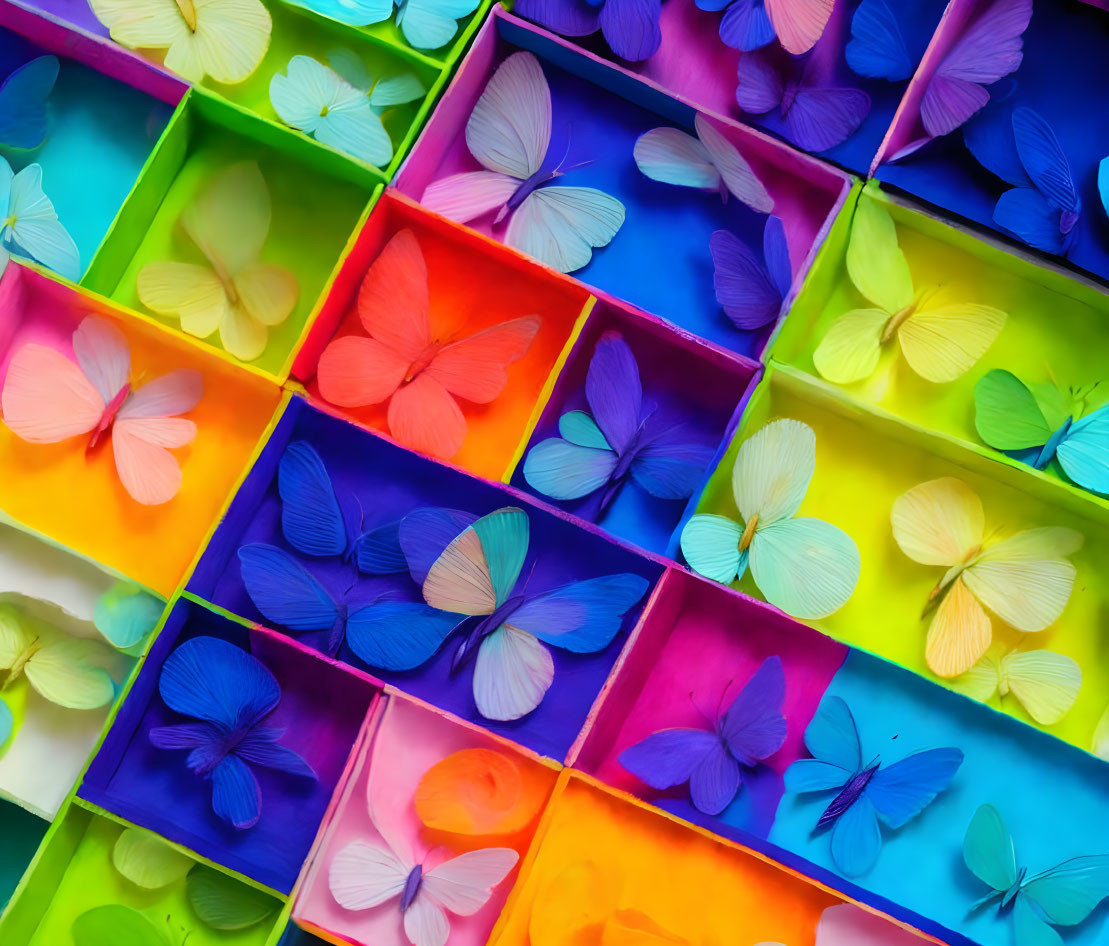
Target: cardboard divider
<point x="695" y="387"/>
<point x="408" y="739"/>
<point x="856" y="494"/>
<point x="660" y="259"/>
<point x="377" y="483"/>
<point x="321" y="709"/>
<point x="474" y="284"/>
<point x="89" y="510"/>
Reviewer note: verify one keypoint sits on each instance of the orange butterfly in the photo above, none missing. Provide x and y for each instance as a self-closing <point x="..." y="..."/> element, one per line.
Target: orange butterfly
<point x="401" y="362"/>
<point x="48" y="398"/>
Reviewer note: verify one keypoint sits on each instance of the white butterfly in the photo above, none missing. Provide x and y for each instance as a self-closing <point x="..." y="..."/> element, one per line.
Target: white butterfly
<point x="365" y="874"/>
<point x="509" y="132"/>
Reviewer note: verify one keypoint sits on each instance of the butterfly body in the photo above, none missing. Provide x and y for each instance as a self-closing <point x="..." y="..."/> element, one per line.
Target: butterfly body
<point x="850" y="793"/>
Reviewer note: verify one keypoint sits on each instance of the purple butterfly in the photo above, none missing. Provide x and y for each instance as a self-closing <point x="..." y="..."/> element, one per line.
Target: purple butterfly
<point x="752" y="729"/>
<point x="812" y="117"/>
<point x="630" y="27"/>
<point x="751" y="293"/>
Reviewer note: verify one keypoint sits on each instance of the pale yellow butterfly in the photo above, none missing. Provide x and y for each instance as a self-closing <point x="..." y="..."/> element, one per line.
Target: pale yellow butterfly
<point x="228" y="221"/>
<point x="939" y="343"/>
<point x="1025" y="580"/>
<point x="148" y="861"/>
<point x="1045" y="683"/>
<point x="65" y="670"/>
<point x="224" y="39"/>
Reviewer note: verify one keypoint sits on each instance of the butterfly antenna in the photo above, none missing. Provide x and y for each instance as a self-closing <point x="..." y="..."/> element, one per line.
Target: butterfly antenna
<point x="700" y="712"/>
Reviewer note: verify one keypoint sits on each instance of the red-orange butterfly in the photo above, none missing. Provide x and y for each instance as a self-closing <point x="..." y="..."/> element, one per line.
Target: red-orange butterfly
<point x="402" y="363"/>
<point x="48" y="398"/>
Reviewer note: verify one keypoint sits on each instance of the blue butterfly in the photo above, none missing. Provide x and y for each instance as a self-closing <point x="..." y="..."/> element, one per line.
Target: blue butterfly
<point x="1019" y="146"/>
<point x="231" y="693"/>
<point x="1060" y="896"/>
<point x="877" y="48"/>
<point x="865" y="794"/>
<point x="752" y="729"/>
<point x="23" y="97"/>
<point x="622" y="438"/>
<point x="426" y="24"/>
<point x="751" y="293"/>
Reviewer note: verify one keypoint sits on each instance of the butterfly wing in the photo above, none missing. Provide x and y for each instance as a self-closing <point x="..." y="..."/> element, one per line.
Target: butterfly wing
<point x="510" y="127"/>
<point x="464" y="884"/>
<point x="877" y="48"/>
<point x="806" y="567"/>
<point x="229" y="219"/>
<point x="512" y="673"/>
<point x="424" y="533"/>
<point x="938" y="522"/>
<point x="560" y="226"/>
<point x="710" y="544"/>
<point x="669" y="468"/>
<point x="760" y="87"/>
<point x="901" y="791"/>
<point x="1029" y="926"/>
<point x="148" y="861"/>
<point x="579" y="428"/>
<point x="738" y="176"/>
<point x="469" y="195"/>
<point x="823" y="118"/>
<point x="393" y="301"/>
<point x="631" y="27"/>
<point x="856" y="838"/>
<point x="614" y="391"/>
<point x="981" y="681"/>
<point x="125" y="615"/>
<point x="285" y="592"/>
<point x="1006" y="413"/>
<point x="669" y="757"/>
<point x="190" y="292"/>
<point x="988" y="850"/>
<point x="988" y="50"/>
<point x="753" y="726"/>
<point x="1044" y="159"/>
<point x="142" y="434"/>
<point x="354" y="12"/>
<point x="852" y="346"/>
<point x="311" y="519"/>
<point x="364" y="875"/>
<point x="1103" y="183"/>
<point x="229" y="42"/>
<point x="798" y="24"/>
<point x="66" y="671"/>
<point x="1084" y="452"/>
<point x="475" y="367"/>
<point x="379" y="552"/>
<point x="773" y="470"/>
<point x="943" y="344"/>
<point x="875" y="261"/>
<point x="37" y="231"/>
<point x="563" y="470"/>
<point x="960" y="632"/>
<point x="673" y="156"/>
<point x="743" y="287"/>
<point x="47" y="398"/>
<point x="23" y="96"/>
<point x="1046" y="683"/>
<point x="745" y="25"/>
<point x="398" y="635"/>
<point x="833" y="742"/>
<point x="116" y="925"/>
<point x="431" y="24"/>
<point x="426" y="418"/>
<point x="1069" y="893"/>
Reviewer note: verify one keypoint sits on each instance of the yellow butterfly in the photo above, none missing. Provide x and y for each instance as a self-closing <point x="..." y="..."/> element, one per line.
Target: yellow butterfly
<point x="228" y="221"/>
<point x="939" y="343"/>
<point x="1025" y="580"/>
<point x="224" y="39"/>
<point x="1045" y="683"/>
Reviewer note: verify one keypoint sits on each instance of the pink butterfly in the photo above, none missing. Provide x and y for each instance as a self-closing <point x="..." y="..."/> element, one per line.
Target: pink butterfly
<point x="48" y="398"/>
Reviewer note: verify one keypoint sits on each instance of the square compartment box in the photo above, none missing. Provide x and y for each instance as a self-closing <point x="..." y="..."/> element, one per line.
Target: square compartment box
<point x="919" y="876"/>
<point x="377" y="483"/>
<point x="1062" y="69"/>
<point x="75" y="873"/>
<point x="694" y="388"/>
<point x="307" y="238"/>
<point x="851" y="491"/>
<point x="695" y="65"/>
<point x="89" y="510"/>
<point x="473" y="285"/>
<point x="53" y="595"/>
<point x="604" y="857"/>
<point x="401" y="747"/>
<point x="1056" y="328"/>
<point x="104" y="120"/>
<point x="659" y="260"/>
<point x="22" y="833"/>
<point x="321" y="710"/>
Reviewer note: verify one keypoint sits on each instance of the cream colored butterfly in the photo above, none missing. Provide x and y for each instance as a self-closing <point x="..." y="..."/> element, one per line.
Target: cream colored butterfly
<point x="1045" y="683"/>
<point x="1026" y="579"/>
<point x="235" y="294"/>
<point x="939" y="343"/>
<point x="65" y="670"/>
<point x="224" y="39"/>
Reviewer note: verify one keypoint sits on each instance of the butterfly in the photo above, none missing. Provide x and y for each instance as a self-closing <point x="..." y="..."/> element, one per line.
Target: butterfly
<point x="877" y="48"/>
<point x="1026" y="579"/>
<point x="47" y="398"/>
<point x="365" y="874"/>
<point x="1011" y="415"/>
<point x="751" y="293"/>
<point x="147" y="861"/>
<point x="29" y="225"/>
<point x="221" y="902"/>
<point x="1045" y="683"/>
<point x="621" y="438"/>
<point x="751" y="730"/>
<point x="865" y="794"/>
<point x="811" y="116"/>
<point x="1059" y="896"/>
<point x="223" y="39"/>
<point x="509" y="133"/>
<point x="708" y="162"/>
<point x="230" y="693"/>
<point x="1020" y="147"/>
<point x="324" y="104"/>
<point x="125" y="615"/>
<point x="426" y="24"/>
<point x="228" y="220"/>
<point x="846" y="924"/>
<point x="630" y="27"/>
<point x="403" y="363"/>
<point x="988" y="50"/>
<point x="940" y="343"/>
<point x="478" y="573"/>
<point x="23" y="97"/>
<point x="1100" y="744"/>
<point x="751" y="24"/>
<point x="806" y="567"/>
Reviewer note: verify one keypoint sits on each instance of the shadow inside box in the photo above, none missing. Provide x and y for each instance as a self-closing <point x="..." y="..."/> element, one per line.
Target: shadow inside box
<point x="378" y="484"/>
<point x="260" y="812"/>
